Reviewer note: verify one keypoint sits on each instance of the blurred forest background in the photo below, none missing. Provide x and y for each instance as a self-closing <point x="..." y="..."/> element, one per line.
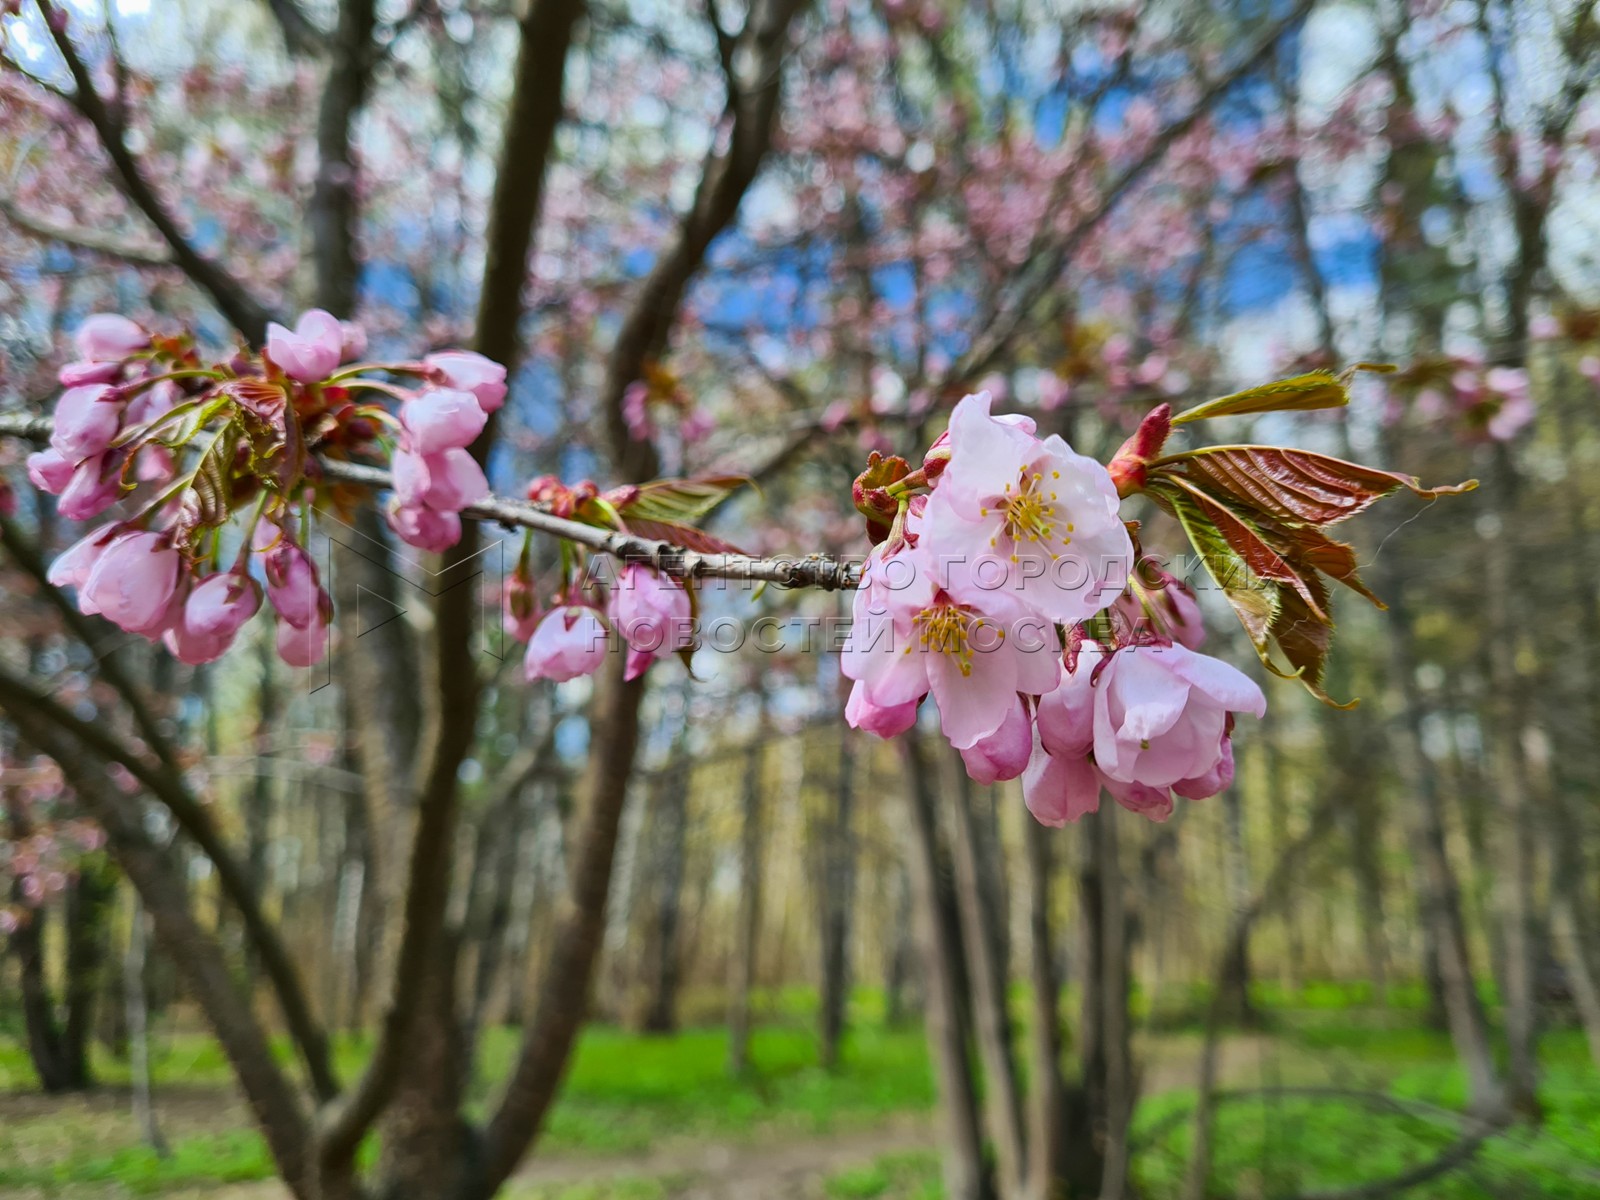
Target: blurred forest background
<point x="261" y="933"/>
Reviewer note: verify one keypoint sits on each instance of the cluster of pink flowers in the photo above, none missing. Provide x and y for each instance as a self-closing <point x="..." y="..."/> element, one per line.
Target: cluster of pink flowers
<point x="39" y="864"/>
<point x="1005" y="589"/>
<point x="184" y="446"/>
<point x="651" y="612"/>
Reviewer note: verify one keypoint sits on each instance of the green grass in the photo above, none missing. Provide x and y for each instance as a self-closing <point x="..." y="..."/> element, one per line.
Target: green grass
<point x="628" y="1093"/>
<point x="625" y="1092"/>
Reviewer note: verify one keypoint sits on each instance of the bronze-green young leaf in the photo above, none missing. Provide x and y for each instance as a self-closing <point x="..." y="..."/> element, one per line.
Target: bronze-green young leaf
<point x="681" y="500"/>
<point x="1301" y="393"/>
<point x="1296" y="485"/>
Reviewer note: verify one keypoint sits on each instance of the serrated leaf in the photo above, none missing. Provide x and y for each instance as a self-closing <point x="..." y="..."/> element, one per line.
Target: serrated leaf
<point x="679" y="534"/>
<point x="1252" y="547"/>
<point x="1299" y="393"/>
<point x="1254" y="600"/>
<point x="210" y="481"/>
<point x="1297" y="485"/>
<point x="681" y="500"/>
<point x="1304" y="642"/>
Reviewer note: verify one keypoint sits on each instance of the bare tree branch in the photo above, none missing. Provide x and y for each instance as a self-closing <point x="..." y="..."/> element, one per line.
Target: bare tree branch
<point x="1044" y="272"/>
<point x="83" y="239"/>
<point x="165" y="784"/>
<point x="231" y="297"/>
<point x="301" y="37"/>
<point x="754" y="92"/>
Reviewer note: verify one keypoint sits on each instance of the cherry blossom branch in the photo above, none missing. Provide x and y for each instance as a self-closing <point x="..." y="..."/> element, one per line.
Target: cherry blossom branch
<point x="823" y="571"/>
<point x="82" y="239"/>
<point x="247" y="314"/>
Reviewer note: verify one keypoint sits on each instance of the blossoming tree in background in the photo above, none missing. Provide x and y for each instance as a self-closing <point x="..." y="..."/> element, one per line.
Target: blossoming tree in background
<point x="864" y="233"/>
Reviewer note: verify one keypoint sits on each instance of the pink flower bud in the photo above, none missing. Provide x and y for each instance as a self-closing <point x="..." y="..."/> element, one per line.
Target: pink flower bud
<point x="49" y="472"/>
<point x="106" y="337"/>
<point x="442" y="419"/>
<point x="86" y="420"/>
<point x="455" y="480"/>
<point x="73" y="565"/>
<point x="424" y="528"/>
<point x="520" y="615"/>
<point x="311" y="351"/>
<point x="302" y="647"/>
<point x="95" y="485"/>
<point x="76" y="374"/>
<point x="1004" y="754"/>
<point x="569" y="642"/>
<point x="886" y="721"/>
<point x="220" y="604"/>
<point x="133" y="580"/>
<point x="469" y="372"/>
<point x="652" y="613"/>
<point x="292" y="584"/>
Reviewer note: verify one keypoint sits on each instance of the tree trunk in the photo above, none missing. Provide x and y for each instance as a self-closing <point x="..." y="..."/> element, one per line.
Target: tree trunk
<point x="135" y="1001"/>
<point x="89" y="901"/>
<point x="977" y="910"/>
<point x="748" y="932"/>
<point x="1234" y="980"/>
<point x="900" y="951"/>
<point x="961" y="1145"/>
<point x="670" y="836"/>
<point x="837" y="878"/>
<point x="1047" y="1128"/>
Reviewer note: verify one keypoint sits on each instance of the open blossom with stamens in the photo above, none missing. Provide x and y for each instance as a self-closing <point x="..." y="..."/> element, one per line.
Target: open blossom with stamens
<point x="1026" y="516"/>
<point x="922" y="639"/>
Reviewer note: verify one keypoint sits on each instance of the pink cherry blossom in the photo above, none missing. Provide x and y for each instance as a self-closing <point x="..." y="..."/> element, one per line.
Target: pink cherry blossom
<point x="442" y="419"/>
<point x="73" y="565"/>
<point x="652" y="613"/>
<point x="219" y="605"/>
<point x="1004" y="754"/>
<point x="95" y="486"/>
<point x="86" y="420"/>
<point x="469" y="372"/>
<point x="303" y="647"/>
<point x="424" y="528"/>
<point x="570" y="641"/>
<point x="1173" y="611"/>
<point x="520" y="614"/>
<point x="76" y="374"/>
<point x="972" y="660"/>
<point x="292" y="584"/>
<point x="107" y="337"/>
<point x="862" y="713"/>
<point x="1161" y="713"/>
<point x="446" y="482"/>
<point x="312" y="350"/>
<point x="1026" y="517"/>
<point x="49" y="472"/>
<point x="133" y="580"/>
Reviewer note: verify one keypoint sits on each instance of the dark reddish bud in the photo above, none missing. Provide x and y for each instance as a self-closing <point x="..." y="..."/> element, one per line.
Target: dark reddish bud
<point x="1129" y="467"/>
<point x="871" y="498"/>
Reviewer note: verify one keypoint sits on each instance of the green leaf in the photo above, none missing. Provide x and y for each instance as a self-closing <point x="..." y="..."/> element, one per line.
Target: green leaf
<point x="1301" y="393"/>
<point x="1254" y="600"/>
<point x="210" y="483"/>
<point x="681" y="500"/>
